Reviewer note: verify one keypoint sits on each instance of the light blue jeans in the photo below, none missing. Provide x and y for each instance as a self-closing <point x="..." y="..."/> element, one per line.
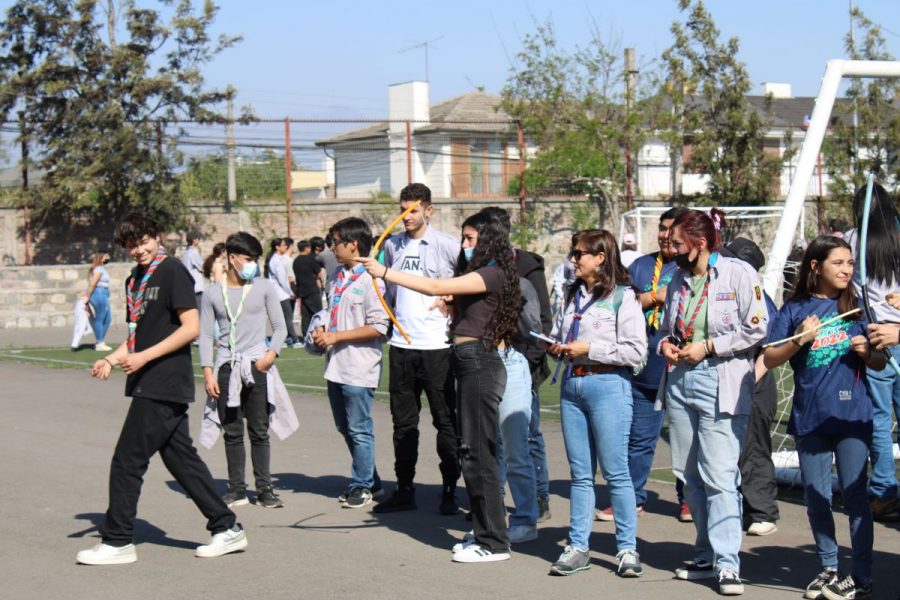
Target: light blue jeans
<point x="102" y="313"/>
<point x="884" y="388"/>
<point x="351" y="406"/>
<point x="596" y="420"/>
<point x="514" y="451"/>
<point x="706" y="446"/>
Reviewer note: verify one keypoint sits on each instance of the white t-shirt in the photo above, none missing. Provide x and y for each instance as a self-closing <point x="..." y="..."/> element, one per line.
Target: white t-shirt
<point x="426" y="328"/>
<point x="278" y="273"/>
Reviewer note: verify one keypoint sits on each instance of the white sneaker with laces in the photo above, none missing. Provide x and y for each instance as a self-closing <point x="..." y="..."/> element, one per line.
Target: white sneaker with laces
<point x="468" y="540"/>
<point x="474" y="553"/>
<point x="762" y="528"/>
<point x="101" y="347"/>
<point x="228" y="541"/>
<point x="104" y="554"/>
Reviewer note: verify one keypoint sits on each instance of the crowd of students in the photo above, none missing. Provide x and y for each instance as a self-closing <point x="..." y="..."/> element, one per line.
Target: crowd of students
<point x="468" y="322"/>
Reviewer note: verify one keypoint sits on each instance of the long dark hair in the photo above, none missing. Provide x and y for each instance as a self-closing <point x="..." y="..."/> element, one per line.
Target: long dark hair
<point x="808" y="282"/>
<point x="493" y="248"/>
<point x="883" y="237"/>
<point x="696" y="224"/>
<point x="611" y="273"/>
<point x="272" y="245"/>
<point x="218" y="249"/>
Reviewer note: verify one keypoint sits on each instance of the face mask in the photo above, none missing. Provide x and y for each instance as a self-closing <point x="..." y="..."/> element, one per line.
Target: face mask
<point x="684" y="262"/>
<point x="248" y="271"/>
<point x="468" y="252"/>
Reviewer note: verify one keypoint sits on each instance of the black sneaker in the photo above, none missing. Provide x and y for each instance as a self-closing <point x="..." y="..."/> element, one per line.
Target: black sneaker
<point x="448" y="501"/>
<point x="401" y="499"/>
<point x="543" y="510"/>
<point x="267" y="498"/>
<point x="235" y="497"/>
<point x="846" y="589"/>
<point x="697" y="569"/>
<point x="814" y="589"/>
<point x="358" y="498"/>
<point x="730" y="583"/>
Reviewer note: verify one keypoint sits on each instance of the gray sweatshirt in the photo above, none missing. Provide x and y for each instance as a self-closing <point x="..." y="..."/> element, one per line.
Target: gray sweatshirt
<point x="260" y="308"/>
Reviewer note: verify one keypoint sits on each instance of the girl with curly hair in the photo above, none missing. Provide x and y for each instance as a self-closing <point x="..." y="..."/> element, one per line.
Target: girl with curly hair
<point x="487" y="299"/>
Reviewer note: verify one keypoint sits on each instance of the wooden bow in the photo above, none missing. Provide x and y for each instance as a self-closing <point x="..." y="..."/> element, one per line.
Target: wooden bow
<point x="375" y="250"/>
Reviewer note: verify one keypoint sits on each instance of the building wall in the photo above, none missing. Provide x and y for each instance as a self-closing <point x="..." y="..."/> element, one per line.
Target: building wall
<point x="363" y="169"/>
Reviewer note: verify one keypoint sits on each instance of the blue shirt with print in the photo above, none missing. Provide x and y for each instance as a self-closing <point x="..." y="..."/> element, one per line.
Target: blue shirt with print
<point x="641" y="274"/>
<point x="830" y="395"/>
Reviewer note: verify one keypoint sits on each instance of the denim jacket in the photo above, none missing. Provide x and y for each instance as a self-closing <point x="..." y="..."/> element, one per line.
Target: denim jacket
<point x="438" y="254"/>
<point x="737" y="320"/>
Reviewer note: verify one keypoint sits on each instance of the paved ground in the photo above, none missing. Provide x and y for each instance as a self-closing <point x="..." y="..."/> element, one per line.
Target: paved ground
<point x="59" y="429"/>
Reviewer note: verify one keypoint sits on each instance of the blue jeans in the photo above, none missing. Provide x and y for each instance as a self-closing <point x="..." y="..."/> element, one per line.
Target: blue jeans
<point x="884" y="388"/>
<point x="706" y="447"/>
<point x="516" y="466"/>
<point x="851" y="454"/>
<point x="538" y="449"/>
<point x="596" y="419"/>
<point x="646" y="423"/>
<point x="102" y="313"/>
<point x="351" y="406"/>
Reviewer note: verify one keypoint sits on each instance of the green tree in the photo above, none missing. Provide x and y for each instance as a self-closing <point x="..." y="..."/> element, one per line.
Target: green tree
<point x="706" y="87"/>
<point x="93" y="107"/>
<point x="572" y="107"/>
<point x="257" y="177"/>
<point x="851" y="151"/>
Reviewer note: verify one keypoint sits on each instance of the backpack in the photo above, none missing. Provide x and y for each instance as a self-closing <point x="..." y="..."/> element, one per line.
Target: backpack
<point x="529" y="315"/>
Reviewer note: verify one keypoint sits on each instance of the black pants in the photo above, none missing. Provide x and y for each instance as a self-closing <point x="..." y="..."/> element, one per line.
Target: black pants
<point x="153" y="426"/>
<point x="411" y="373"/>
<point x="758" y="484"/>
<point x="309" y="305"/>
<point x="255" y="408"/>
<point x="289" y="318"/>
<point x="481" y="381"/>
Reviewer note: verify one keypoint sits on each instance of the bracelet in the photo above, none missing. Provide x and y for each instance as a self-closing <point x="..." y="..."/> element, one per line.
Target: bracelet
<point x="384" y="277"/>
<point x="112" y="366"/>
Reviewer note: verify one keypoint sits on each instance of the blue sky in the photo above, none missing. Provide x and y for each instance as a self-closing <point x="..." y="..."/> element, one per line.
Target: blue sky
<point x="335" y="59"/>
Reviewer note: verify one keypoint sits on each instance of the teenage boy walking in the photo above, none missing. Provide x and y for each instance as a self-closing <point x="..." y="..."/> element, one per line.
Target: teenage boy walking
<point x="242" y="382"/>
<point x="423" y="365"/>
<point x="356" y="324"/>
<point x="162" y="321"/>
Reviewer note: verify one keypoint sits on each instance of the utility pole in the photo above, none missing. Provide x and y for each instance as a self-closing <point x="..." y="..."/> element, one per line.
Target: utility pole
<point x="229" y="150"/>
<point x="630" y="77"/>
<point x="288" y="163"/>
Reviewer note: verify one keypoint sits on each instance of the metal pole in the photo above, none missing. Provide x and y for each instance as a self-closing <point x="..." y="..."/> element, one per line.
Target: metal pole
<point x="520" y="132"/>
<point x="409" y="165"/>
<point x="229" y="152"/>
<point x="26" y="210"/>
<point x="287" y="171"/>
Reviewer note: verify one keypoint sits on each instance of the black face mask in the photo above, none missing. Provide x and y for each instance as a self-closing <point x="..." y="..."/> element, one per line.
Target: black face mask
<point x="684" y="262"/>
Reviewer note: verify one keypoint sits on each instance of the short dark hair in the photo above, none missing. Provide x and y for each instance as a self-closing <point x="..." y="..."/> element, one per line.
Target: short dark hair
<point x="289" y="241"/>
<point x="354" y="229"/>
<point x="317" y="243"/>
<point x="134" y="227"/>
<point x="193" y="236"/>
<point x="500" y="215"/>
<point x="416" y="191"/>
<point x="673" y="213"/>
<point x="243" y="243"/>
<point x="302" y="245"/>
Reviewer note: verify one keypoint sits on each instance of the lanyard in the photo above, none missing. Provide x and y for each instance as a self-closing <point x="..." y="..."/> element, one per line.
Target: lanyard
<point x="572" y="335"/>
<point x="687" y="333"/>
<point x="339" y="290"/>
<point x="233" y="317"/>
<point x="653" y="317"/>
<point x="135" y="300"/>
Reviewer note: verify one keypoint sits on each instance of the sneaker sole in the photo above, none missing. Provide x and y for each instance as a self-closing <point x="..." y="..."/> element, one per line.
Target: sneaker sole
<point x="118" y="560"/>
<point x="731" y="590"/>
<point x="243" y="502"/>
<point x="599" y="516"/>
<point x="812" y="595"/>
<point x="348" y="505"/>
<point x="495" y="557"/>
<point x="758" y="533"/>
<point x="694" y="575"/>
<point x="561" y="573"/>
<point x="235" y="546"/>
<point x="630" y="573"/>
<point x="279" y="505"/>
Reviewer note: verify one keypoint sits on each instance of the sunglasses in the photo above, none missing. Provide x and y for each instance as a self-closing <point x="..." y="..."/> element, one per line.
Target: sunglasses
<point x="577" y="254"/>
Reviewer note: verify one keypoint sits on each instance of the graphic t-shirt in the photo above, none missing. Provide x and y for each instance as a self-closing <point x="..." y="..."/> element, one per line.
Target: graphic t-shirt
<point x="829" y="378"/>
<point x="641" y="273"/>
<point x="426" y="328"/>
<point x="170" y="377"/>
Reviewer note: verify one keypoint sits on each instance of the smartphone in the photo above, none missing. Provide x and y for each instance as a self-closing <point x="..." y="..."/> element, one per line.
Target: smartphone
<point x="544" y="338"/>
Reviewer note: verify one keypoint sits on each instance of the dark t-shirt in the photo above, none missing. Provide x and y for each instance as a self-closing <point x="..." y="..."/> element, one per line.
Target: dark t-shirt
<point x="474" y="312"/>
<point x="641" y="274"/>
<point x="306" y="274"/>
<point x="830" y="394"/>
<point x="170" y="377"/>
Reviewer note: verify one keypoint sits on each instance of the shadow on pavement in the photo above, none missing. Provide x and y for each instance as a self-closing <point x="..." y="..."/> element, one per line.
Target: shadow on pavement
<point x="144" y="532"/>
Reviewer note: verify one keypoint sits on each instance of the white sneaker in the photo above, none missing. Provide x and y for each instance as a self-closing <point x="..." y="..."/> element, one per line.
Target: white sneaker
<point x="101" y="347"/>
<point x="474" y="553"/>
<point x="228" y="541"/>
<point x="104" y="554"/>
<point x="521" y="533"/>
<point x="467" y="541"/>
<point x="762" y="528"/>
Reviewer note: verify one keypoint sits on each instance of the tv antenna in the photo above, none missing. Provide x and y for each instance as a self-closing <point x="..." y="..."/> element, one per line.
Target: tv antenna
<point x="422" y="45"/>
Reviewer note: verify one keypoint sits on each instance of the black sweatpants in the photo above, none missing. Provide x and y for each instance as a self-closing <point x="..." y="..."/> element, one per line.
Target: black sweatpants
<point x="309" y="305"/>
<point x="411" y="373"/>
<point x="254" y="407"/>
<point x="153" y="426"/>
<point x="758" y="485"/>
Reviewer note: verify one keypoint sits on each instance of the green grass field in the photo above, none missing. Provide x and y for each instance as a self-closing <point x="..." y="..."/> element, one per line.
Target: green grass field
<point x="301" y="372"/>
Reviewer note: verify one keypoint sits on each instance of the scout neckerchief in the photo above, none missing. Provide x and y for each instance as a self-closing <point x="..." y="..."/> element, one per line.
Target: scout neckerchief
<point x="653" y="318"/>
<point x="233" y="317"/>
<point x="573" y="330"/>
<point x="686" y="333"/>
<point x="339" y="289"/>
<point x="135" y="301"/>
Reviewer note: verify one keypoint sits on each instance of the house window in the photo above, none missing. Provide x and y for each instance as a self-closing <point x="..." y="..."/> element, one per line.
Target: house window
<point x="486" y="167"/>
